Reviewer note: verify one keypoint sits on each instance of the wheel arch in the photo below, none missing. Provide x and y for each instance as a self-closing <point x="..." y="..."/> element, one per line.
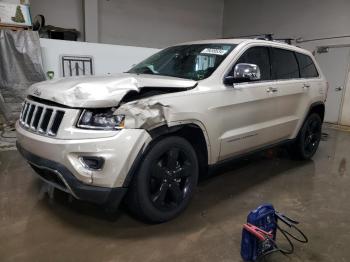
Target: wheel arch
<point x="318" y="108"/>
<point x="193" y="132"/>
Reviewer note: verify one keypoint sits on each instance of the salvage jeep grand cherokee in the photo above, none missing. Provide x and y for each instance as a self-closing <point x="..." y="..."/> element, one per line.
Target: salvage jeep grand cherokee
<point x="146" y="135"/>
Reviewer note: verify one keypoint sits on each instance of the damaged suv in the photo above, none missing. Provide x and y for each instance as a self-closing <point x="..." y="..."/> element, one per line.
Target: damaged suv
<point x="146" y="135"/>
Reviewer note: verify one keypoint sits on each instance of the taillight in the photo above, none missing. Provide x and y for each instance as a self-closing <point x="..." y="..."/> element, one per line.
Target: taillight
<point x="327" y="88"/>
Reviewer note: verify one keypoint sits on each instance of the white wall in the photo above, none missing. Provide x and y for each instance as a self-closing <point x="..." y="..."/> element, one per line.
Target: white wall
<point x="108" y="59"/>
<point x="61" y="13"/>
<point x="295" y="19"/>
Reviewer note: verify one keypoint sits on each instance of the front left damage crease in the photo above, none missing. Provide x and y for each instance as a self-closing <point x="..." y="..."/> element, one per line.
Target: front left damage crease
<point x="144" y="114"/>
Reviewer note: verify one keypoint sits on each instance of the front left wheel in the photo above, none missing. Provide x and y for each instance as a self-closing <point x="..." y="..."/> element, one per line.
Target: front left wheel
<point x="165" y="181"/>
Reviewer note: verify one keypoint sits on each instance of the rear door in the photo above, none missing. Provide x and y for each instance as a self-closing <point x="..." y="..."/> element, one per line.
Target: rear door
<point x="292" y="90"/>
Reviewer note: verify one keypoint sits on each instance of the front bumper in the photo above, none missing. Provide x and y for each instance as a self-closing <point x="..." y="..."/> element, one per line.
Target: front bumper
<point x="60" y="177"/>
<point x="119" y="152"/>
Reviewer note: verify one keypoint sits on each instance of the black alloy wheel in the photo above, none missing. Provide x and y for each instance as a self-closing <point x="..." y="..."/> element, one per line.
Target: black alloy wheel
<point x="165" y="181"/>
<point x="308" y="139"/>
<point x="170" y="178"/>
<point x="312" y="137"/>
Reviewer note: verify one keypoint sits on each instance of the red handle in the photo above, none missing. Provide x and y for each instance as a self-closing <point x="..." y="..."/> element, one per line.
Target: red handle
<point x="258" y="232"/>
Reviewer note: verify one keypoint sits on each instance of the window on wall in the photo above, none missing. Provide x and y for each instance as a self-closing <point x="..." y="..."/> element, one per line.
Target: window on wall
<point x="307" y="66"/>
<point x="284" y="64"/>
<point x="259" y="56"/>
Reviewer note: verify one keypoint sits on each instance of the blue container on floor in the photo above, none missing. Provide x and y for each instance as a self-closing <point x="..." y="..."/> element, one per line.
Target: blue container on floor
<point x="264" y="218"/>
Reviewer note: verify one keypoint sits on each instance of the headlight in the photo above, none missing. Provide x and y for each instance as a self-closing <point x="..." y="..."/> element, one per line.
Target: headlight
<point x="102" y="119"/>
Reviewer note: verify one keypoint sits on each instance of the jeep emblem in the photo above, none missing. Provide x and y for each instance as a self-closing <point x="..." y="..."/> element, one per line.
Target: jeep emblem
<point x="37" y="92"/>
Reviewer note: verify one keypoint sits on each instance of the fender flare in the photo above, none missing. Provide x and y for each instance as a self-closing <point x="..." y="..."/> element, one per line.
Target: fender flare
<point x="156" y="133"/>
<point x="311" y="107"/>
<point x="172" y="127"/>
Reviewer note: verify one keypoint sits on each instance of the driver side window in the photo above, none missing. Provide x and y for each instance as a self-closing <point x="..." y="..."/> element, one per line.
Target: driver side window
<point x="258" y="56"/>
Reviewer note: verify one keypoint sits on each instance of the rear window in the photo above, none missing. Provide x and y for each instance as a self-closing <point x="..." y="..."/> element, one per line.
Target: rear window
<point x="284" y="64"/>
<point x="307" y="66"/>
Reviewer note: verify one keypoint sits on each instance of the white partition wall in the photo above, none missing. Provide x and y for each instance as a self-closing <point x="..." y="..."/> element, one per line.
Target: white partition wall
<point x="107" y="59"/>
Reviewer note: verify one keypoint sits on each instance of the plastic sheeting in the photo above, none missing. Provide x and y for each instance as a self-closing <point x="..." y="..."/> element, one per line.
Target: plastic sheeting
<point x="20" y="67"/>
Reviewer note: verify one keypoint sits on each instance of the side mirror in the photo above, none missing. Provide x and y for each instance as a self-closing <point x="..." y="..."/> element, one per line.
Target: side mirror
<point x="246" y="72"/>
<point x="229" y="80"/>
<point x="243" y="72"/>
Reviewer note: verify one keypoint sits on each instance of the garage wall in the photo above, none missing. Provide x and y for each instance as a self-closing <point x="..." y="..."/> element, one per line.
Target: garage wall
<point x="61" y="13"/>
<point x="159" y="23"/>
<point x="295" y="19"/>
<point x="147" y="23"/>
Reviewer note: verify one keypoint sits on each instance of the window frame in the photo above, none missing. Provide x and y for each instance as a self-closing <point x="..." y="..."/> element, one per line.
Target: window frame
<point x="229" y="68"/>
<point x="296" y="59"/>
<point x="269" y="63"/>
<point x="313" y="62"/>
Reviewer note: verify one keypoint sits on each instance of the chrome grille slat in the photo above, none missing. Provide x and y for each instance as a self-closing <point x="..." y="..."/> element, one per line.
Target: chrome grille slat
<point x="49" y="125"/>
<point x="45" y="123"/>
<point x="37" y="117"/>
<point x="29" y="115"/>
<point x="33" y="117"/>
<point x="40" y="118"/>
<point x="22" y="111"/>
<point x="25" y="112"/>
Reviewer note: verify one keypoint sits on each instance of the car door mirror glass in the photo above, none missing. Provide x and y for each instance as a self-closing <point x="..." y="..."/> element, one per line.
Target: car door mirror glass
<point x="244" y="72"/>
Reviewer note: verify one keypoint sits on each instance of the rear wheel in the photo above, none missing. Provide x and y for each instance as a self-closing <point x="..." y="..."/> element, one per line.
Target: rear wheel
<point x="165" y="181"/>
<point x="308" y="138"/>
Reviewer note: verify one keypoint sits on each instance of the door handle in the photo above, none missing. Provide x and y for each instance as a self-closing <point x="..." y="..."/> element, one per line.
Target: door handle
<point x="340" y="88"/>
<point x="306" y="86"/>
<point x="271" y="90"/>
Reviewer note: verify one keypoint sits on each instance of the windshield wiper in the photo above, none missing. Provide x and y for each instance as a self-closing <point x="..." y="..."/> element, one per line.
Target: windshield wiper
<point x="145" y="70"/>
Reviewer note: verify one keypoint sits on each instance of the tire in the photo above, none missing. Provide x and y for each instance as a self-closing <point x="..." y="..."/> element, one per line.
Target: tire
<point x="165" y="181"/>
<point x="308" y="139"/>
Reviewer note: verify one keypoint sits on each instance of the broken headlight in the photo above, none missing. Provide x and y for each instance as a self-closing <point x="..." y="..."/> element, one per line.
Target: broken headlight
<point x="101" y="119"/>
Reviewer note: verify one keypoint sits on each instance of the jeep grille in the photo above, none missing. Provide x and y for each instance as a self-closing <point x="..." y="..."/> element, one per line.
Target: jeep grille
<point x="41" y="119"/>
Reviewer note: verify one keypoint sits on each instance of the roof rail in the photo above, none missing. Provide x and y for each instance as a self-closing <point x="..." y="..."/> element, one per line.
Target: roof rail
<point x="285" y="40"/>
<point x="267" y="37"/>
<point x="255" y="36"/>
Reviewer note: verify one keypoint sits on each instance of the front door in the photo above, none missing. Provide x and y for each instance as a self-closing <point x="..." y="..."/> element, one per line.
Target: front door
<point x="249" y="111"/>
<point x="334" y="63"/>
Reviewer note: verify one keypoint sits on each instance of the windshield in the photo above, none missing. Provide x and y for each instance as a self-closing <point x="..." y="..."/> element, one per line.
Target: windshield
<point x="186" y="61"/>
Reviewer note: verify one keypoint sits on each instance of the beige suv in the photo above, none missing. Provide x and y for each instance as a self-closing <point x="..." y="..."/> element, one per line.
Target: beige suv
<point x="145" y="136"/>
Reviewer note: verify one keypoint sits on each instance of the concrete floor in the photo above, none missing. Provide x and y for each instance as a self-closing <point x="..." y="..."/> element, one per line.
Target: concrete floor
<point x="34" y="227"/>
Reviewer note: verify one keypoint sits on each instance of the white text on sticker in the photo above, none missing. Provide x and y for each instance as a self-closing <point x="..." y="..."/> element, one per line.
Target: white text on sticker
<point x="213" y="51"/>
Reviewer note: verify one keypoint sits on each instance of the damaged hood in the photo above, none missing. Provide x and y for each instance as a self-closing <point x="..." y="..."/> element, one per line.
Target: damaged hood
<point x="102" y="91"/>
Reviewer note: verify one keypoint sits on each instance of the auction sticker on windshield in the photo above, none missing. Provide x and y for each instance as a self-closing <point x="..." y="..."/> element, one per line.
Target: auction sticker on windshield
<point x="214" y="51"/>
